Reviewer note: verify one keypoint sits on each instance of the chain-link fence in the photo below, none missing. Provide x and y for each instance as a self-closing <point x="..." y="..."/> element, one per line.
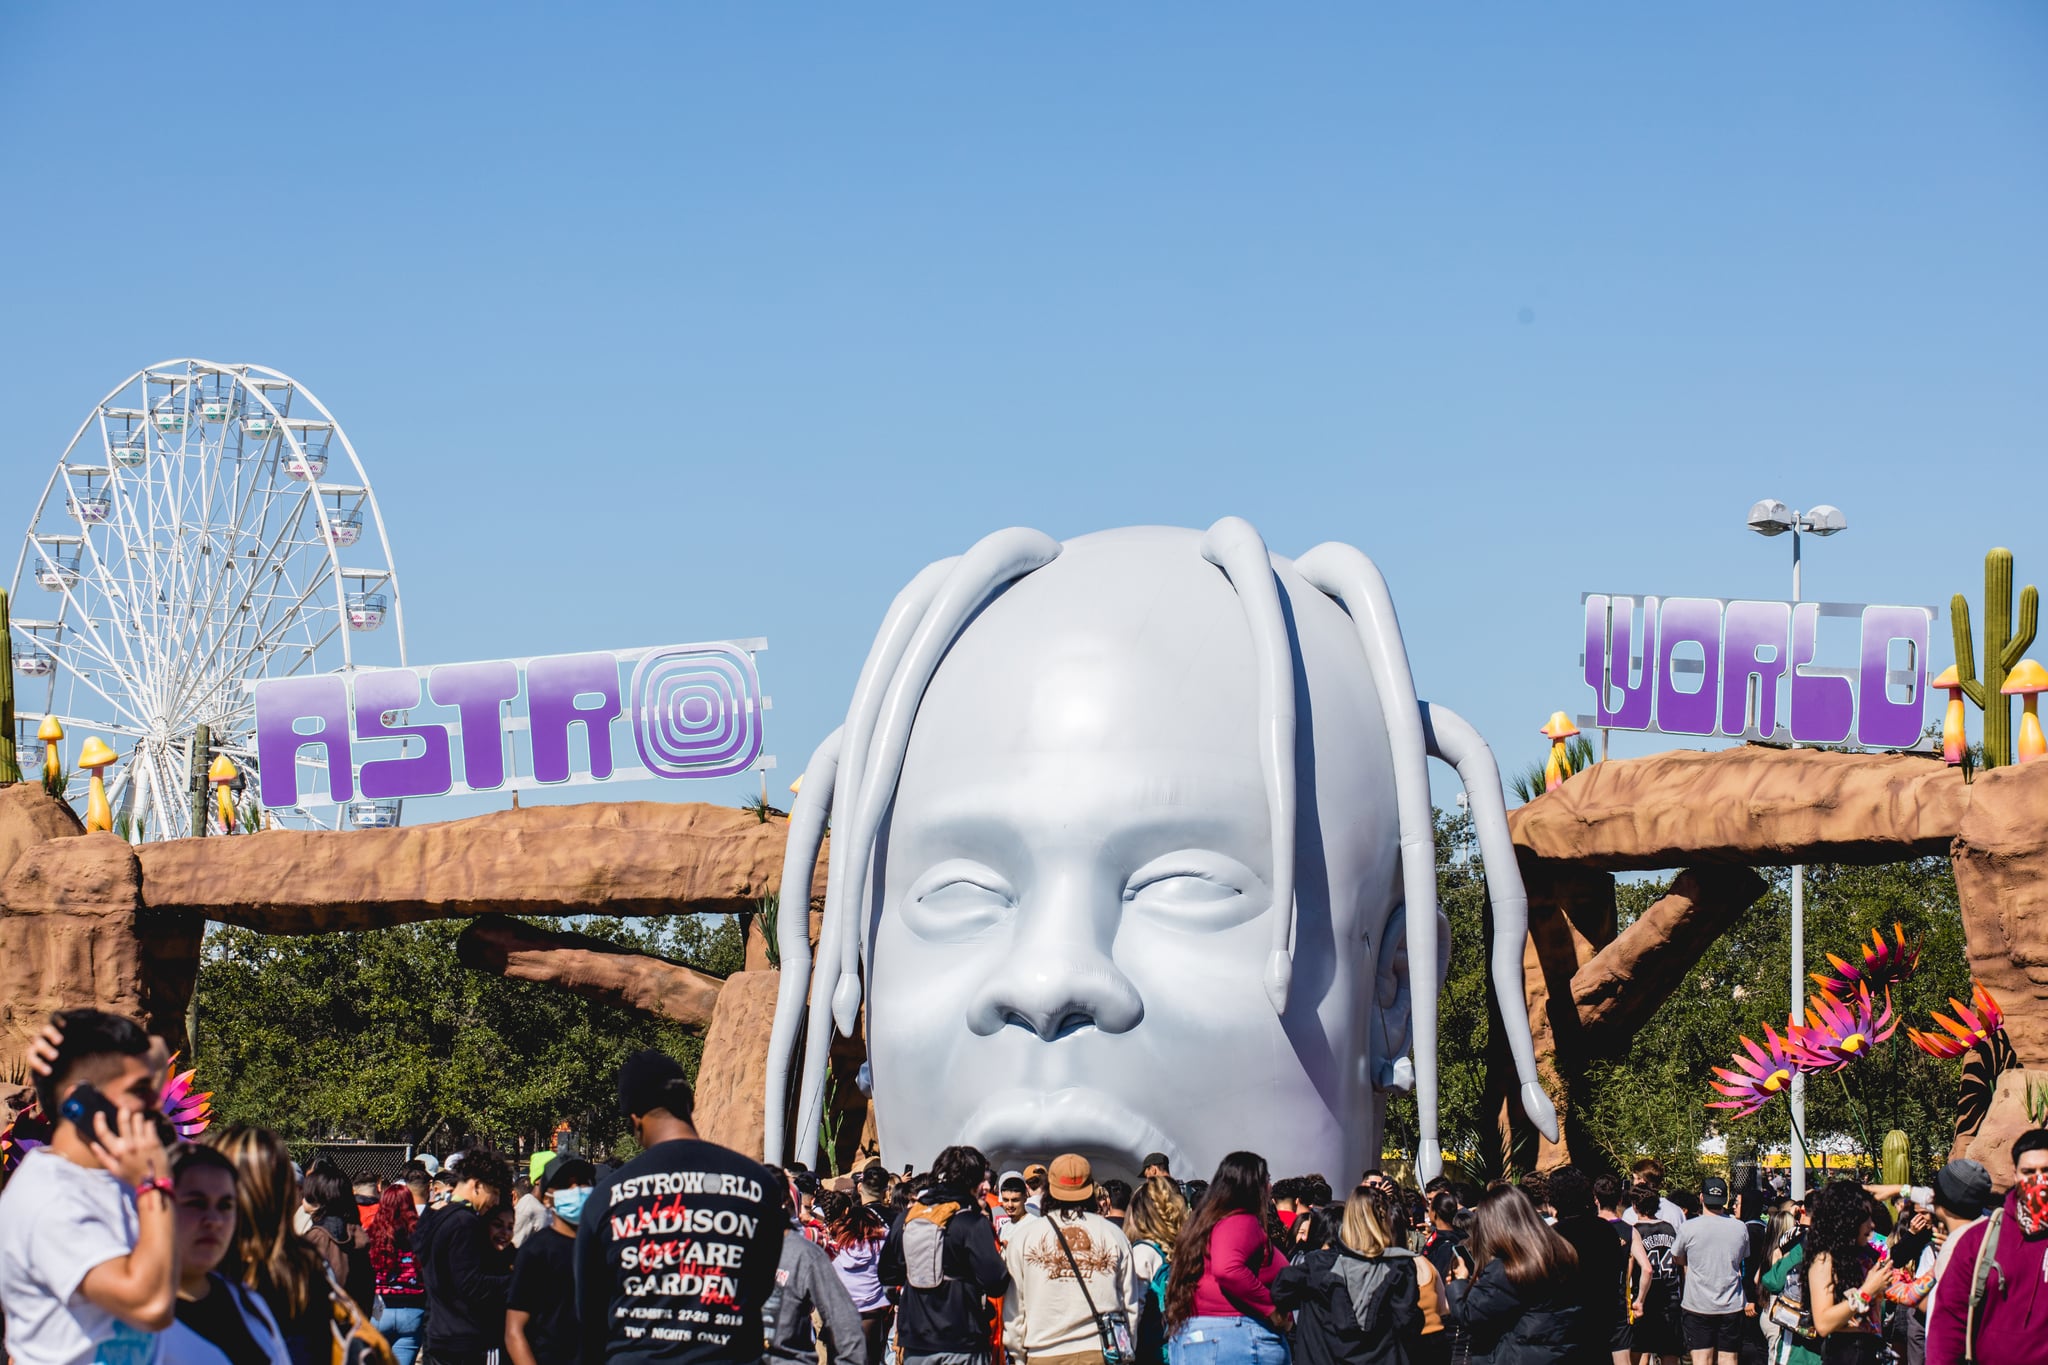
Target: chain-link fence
<point x="381" y="1161"/>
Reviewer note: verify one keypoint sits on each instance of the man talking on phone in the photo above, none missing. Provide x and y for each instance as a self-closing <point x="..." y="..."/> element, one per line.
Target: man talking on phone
<point x="86" y="1222"/>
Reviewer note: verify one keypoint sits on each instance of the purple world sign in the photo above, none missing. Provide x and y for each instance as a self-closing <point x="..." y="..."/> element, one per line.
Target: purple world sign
<point x="1753" y="670"/>
<point x="691" y="711"/>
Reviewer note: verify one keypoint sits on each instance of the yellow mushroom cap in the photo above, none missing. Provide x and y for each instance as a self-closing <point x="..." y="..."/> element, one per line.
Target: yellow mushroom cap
<point x="796" y="787"/>
<point x="1560" y="726"/>
<point x="96" y="754"/>
<point x="50" y="729"/>
<point x="222" y="770"/>
<point x="1947" y="678"/>
<point x="2026" y="677"/>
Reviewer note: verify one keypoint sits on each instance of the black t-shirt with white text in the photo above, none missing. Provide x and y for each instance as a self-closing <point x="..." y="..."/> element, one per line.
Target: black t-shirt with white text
<point x="675" y="1255"/>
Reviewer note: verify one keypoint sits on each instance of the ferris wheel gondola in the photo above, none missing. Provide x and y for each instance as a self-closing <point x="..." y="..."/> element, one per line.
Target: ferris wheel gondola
<point x="189" y="543"/>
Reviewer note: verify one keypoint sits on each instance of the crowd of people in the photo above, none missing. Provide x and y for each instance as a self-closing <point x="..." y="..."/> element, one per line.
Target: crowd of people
<point x="121" y="1247"/>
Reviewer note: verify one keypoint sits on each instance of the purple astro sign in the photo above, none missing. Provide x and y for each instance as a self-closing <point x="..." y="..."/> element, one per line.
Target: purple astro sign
<point x="670" y="711"/>
<point x="1710" y="666"/>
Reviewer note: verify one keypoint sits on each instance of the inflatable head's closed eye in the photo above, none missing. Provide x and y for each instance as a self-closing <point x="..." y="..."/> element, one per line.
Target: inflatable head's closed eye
<point x="1133" y="852"/>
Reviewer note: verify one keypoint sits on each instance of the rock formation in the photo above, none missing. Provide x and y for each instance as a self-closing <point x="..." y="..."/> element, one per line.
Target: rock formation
<point x="732" y="1078"/>
<point x="1755" y="806"/>
<point x="616" y="858"/>
<point x="594" y="968"/>
<point x="75" y="931"/>
<point x="2001" y="861"/>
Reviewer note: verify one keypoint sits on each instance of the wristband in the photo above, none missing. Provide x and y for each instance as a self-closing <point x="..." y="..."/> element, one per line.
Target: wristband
<point x="157" y="1182"/>
<point x="1860" y="1299"/>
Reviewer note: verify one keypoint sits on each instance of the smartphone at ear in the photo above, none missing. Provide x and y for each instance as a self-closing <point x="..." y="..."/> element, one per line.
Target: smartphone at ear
<point x="83" y="1103"/>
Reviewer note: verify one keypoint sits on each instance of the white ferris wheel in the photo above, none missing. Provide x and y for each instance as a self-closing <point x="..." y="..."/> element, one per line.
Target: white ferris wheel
<point x="208" y="525"/>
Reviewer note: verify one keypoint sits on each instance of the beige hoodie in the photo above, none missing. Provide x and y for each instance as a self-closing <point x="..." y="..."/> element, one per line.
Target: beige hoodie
<point x="1045" y="1313"/>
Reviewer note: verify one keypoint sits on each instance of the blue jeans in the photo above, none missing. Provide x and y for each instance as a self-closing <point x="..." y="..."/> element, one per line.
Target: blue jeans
<point x="1227" y="1341"/>
<point x="401" y="1327"/>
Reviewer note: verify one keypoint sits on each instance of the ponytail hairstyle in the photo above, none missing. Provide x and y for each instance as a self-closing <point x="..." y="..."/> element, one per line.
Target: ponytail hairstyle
<point x="1242" y="1185"/>
<point x="268" y="1254"/>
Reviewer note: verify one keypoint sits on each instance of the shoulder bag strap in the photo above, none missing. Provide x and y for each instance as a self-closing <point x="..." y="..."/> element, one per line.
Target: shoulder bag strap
<point x="1980" y="1275"/>
<point x="1102" y="1329"/>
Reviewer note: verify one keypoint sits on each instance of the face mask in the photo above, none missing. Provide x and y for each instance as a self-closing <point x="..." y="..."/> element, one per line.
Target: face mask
<point x="569" y="1203"/>
<point x="2033" y="1202"/>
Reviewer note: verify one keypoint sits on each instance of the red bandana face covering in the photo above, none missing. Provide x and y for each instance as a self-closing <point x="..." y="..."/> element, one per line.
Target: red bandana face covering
<point x="2033" y="1203"/>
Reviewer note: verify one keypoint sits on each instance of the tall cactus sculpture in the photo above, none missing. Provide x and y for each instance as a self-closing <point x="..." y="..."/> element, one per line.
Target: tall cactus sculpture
<point x="10" y="764"/>
<point x="2003" y="647"/>
<point x="1897" y="1163"/>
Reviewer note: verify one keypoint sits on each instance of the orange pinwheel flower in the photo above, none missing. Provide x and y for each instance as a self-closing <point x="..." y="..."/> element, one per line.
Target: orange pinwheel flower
<point x="1969" y="1028"/>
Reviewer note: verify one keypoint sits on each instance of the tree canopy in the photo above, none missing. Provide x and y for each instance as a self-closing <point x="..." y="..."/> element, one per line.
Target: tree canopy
<point x="384" y="1036"/>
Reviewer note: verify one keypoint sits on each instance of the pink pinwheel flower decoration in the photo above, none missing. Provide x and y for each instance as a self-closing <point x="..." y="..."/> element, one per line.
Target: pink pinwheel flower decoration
<point x="1976" y="1025"/>
<point x="188" y="1112"/>
<point x="1766" y="1073"/>
<point x="1885" y="964"/>
<point x="1837" y="1032"/>
<point x="28" y="1131"/>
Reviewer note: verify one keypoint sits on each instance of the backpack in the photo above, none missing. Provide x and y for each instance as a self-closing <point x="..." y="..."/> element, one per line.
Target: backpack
<point x="1152" y="1312"/>
<point x="924" y="1244"/>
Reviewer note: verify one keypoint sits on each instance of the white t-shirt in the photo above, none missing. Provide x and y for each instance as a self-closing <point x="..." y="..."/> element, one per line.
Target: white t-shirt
<point x="1667" y="1212"/>
<point x="57" y="1221"/>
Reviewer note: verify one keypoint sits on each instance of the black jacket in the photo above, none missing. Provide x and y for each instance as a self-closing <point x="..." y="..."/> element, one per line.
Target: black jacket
<point x="955" y="1317"/>
<point x="1351" y="1309"/>
<point x="465" y="1278"/>
<point x="1508" y="1327"/>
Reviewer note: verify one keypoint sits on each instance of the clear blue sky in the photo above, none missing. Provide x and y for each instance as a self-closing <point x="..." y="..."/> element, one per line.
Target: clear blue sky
<point x="680" y="322"/>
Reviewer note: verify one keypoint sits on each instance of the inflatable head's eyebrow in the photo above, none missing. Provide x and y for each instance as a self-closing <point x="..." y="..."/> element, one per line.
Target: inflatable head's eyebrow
<point x="854" y="775"/>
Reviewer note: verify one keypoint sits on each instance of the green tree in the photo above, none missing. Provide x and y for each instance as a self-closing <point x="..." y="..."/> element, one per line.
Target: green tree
<point x="384" y="1036"/>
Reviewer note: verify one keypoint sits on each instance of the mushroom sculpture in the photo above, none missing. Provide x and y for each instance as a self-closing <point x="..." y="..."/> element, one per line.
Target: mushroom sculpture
<point x="51" y="733"/>
<point x="221" y="775"/>
<point x="1955" y="742"/>
<point x="1561" y="730"/>
<point x="96" y="756"/>
<point x="2027" y="681"/>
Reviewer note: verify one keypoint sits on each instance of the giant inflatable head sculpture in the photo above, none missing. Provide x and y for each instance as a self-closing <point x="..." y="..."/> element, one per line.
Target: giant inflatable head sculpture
<point x="1132" y="851"/>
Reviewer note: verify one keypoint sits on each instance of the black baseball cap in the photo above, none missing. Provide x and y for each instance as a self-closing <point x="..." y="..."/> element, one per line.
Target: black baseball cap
<point x="564" y="1171"/>
<point x="1156" y="1159"/>
<point x="1714" y="1192"/>
<point x="1963" y="1187"/>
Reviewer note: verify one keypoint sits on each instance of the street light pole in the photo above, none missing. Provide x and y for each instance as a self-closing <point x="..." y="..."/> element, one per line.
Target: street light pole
<point x="1772" y="518"/>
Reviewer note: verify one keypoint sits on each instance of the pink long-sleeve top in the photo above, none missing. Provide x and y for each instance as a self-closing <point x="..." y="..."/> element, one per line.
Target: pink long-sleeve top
<point x="1238" y="1279"/>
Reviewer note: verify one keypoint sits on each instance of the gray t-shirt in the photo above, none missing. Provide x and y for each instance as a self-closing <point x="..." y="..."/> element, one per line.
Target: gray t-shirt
<point x="1715" y="1248"/>
<point x="57" y="1221"/>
